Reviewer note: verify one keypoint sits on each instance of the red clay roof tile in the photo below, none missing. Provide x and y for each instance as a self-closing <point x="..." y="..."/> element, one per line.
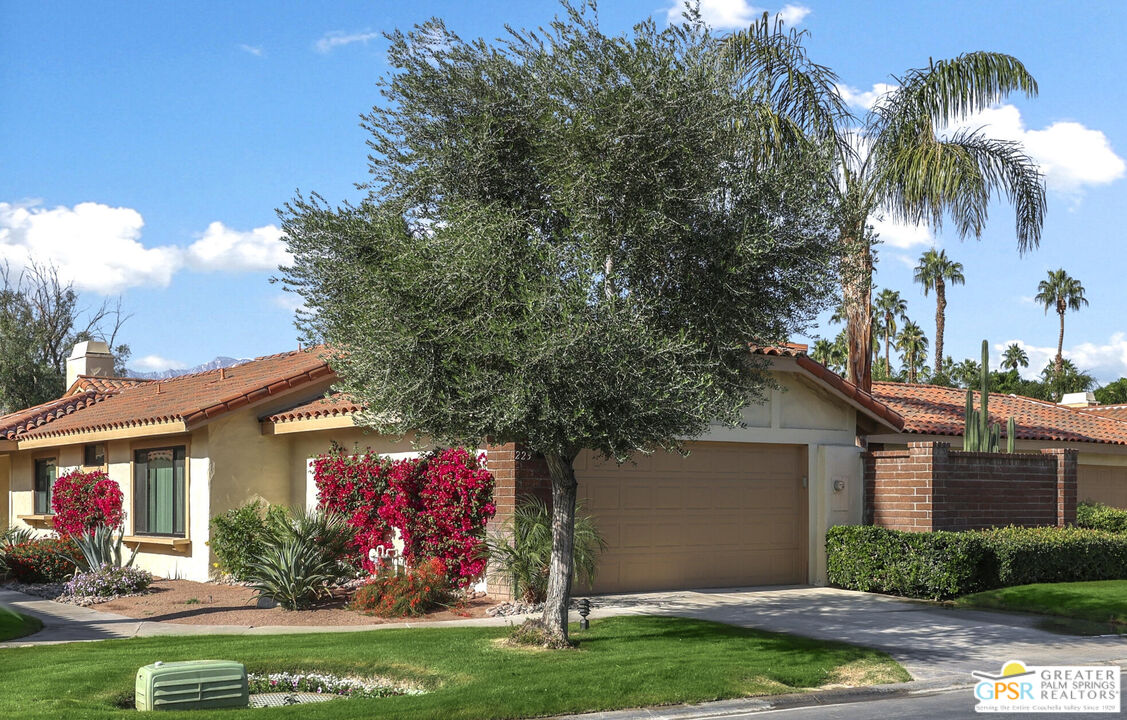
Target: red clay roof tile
<point x="334" y="404"/>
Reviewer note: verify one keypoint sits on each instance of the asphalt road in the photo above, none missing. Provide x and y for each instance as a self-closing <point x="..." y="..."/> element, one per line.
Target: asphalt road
<point x="952" y="705"/>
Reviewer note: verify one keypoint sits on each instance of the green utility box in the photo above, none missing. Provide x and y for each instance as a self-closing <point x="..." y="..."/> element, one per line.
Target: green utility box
<point x="197" y="684"/>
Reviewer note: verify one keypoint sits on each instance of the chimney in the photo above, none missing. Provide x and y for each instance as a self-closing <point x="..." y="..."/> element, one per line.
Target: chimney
<point x="91" y="357"/>
<point x="1078" y="400"/>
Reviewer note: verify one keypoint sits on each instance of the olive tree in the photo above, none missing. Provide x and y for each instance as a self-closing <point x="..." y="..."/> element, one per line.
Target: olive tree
<point x="567" y="241"/>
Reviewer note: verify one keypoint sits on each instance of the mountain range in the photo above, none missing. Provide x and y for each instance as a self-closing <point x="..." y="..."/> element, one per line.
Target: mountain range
<point x="219" y="362"/>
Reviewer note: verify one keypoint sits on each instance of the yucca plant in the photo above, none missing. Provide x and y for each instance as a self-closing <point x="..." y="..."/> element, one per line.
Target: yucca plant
<point x="100" y="548"/>
<point x="302" y="556"/>
<point x="522" y="549"/>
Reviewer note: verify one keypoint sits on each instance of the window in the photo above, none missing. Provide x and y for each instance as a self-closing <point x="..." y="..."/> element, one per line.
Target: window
<point x="94" y="455"/>
<point x="44" y="483"/>
<point x="159" y="491"/>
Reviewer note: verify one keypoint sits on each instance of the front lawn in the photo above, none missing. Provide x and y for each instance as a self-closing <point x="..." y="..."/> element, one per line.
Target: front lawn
<point x="13" y="625"/>
<point x="622" y="662"/>
<point x="1103" y="601"/>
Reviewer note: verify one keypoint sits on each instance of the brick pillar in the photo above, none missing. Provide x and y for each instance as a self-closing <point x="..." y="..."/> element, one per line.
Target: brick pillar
<point x="1066" y="484"/>
<point x="517" y="473"/>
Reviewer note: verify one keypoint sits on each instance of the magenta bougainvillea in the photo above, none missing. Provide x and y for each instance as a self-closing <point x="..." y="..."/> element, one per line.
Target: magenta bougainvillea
<point x="440" y="503"/>
<point x="83" y="500"/>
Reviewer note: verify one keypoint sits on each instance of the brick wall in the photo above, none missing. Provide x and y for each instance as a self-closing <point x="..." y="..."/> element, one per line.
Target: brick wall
<point x="517" y="473"/>
<point x="931" y="487"/>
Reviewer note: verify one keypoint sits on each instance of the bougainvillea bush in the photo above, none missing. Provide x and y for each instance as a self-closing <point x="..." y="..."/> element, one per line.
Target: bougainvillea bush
<point x="422" y="588"/>
<point x="440" y="503"/>
<point x="44" y="560"/>
<point x="84" y="500"/>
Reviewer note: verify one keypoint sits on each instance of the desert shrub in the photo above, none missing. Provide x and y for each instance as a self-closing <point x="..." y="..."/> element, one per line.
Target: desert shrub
<point x="237" y="536"/>
<point x="421" y="589"/>
<point x="82" y="501"/>
<point x="933" y="565"/>
<point x="1098" y="516"/>
<point x="522" y="549"/>
<point x="8" y="538"/>
<point x="301" y="557"/>
<point x="109" y="581"/>
<point x="941" y="565"/>
<point x="42" y="560"/>
<point x="441" y="503"/>
<point x="100" y="547"/>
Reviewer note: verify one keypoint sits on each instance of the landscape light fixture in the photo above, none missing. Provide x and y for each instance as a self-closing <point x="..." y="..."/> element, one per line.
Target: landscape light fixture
<point x="584" y="607"/>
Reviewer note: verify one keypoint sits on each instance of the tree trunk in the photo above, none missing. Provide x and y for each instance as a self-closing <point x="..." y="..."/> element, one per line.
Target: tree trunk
<point x="1060" y="345"/>
<point x="940" y="316"/>
<point x="887" y="340"/>
<point x="857" y="283"/>
<point x="562" y="472"/>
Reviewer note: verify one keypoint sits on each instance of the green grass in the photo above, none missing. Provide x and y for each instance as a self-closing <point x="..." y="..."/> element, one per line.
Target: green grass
<point x="1103" y="601"/>
<point x="622" y="662"/>
<point x="13" y="625"/>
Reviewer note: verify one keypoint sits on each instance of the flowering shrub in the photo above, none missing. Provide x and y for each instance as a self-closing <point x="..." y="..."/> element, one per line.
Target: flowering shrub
<point x="109" y="581"/>
<point x="82" y="501"/>
<point x="440" y="503"/>
<point x="353" y="486"/>
<point x="42" y="560"/>
<point x="423" y="588"/>
<point x="323" y="683"/>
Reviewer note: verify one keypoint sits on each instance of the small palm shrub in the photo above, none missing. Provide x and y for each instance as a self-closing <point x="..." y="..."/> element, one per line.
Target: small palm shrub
<point x="302" y="556"/>
<point x="423" y="588"/>
<point x="42" y="560"/>
<point x="522" y="550"/>
<point x="238" y="535"/>
<point x="109" y="581"/>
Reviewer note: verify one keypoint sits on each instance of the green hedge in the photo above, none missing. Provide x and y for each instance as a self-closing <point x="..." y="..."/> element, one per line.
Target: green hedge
<point x="1101" y="517"/>
<point x="940" y="565"/>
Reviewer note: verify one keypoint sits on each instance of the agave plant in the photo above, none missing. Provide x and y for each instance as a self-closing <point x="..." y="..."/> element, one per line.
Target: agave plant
<point x="303" y="555"/>
<point x="100" y="548"/>
<point x="522" y="549"/>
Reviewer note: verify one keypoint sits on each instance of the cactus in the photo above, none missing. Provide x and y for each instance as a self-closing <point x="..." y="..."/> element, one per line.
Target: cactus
<point x="978" y="434"/>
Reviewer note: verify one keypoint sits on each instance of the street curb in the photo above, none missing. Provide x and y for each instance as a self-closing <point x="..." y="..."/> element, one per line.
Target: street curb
<point x="742" y="706"/>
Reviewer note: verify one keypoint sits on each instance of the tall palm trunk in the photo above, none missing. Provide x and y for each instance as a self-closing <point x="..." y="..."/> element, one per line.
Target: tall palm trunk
<point x="940" y="317"/>
<point x="564" y="485"/>
<point x="857" y="277"/>
<point x="887" y="340"/>
<point x="1060" y="341"/>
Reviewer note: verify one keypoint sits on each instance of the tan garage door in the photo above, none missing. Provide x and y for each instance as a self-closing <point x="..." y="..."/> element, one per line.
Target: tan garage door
<point x="726" y="515"/>
<point x="1102" y="484"/>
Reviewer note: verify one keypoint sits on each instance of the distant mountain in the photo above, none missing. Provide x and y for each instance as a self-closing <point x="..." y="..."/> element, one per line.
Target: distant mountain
<point x="219" y="362"/>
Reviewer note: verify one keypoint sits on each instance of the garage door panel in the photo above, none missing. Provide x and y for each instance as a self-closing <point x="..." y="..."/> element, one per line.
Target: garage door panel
<point x="1104" y="484"/>
<point x="725" y="515"/>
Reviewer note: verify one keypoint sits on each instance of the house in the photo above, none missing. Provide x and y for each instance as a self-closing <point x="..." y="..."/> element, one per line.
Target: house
<point x="746" y="506"/>
<point x="1098" y="434"/>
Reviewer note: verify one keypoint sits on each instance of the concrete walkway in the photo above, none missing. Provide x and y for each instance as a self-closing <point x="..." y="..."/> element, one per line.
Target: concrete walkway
<point x="937" y="646"/>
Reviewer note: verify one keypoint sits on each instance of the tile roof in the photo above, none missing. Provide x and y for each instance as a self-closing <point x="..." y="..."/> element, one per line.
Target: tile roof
<point x="935" y="410"/>
<point x="28" y="419"/>
<point x="333" y="405"/>
<point x="1115" y="412"/>
<point x="96" y="383"/>
<point x="189" y="398"/>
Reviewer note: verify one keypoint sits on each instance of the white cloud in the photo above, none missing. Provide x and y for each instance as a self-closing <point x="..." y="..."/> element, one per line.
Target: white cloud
<point x="255" y="50"/>
<point x="1107" y="361"/>
<point x="99" y="247"/>
<point x="727" y="14"/>
<point x="339" y="38"/>
<point x="221" y="248"/>
<point x="863" y="99"/>
<point x="290" y="302"/>
<point x="901" y="235"/>
<point x="155" y="363"/>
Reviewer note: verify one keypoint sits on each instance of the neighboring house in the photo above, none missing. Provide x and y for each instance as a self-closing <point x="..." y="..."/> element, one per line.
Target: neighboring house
<point x="1097" y="433"/>
<point x="746" y="506"/>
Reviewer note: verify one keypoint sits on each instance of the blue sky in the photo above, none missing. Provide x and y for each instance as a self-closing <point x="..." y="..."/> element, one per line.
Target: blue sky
<point x="145" y="146"/>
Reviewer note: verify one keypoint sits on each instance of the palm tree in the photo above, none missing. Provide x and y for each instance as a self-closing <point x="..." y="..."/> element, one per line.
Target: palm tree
<point x="888" y="307"/>
<point x="1065" y="378"/>
<point x="912" y="344"/>
<point x="1064" y="293"/>
<point x="897" y="163"/>
<point x="935" y="271"/>
<point x="967" y="372"/>
<point x="830" y="354"/>
<point x="1014" y="357"/>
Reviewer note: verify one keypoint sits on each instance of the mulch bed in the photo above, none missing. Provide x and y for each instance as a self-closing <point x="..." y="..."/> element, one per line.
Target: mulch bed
<point x="196" y="603"/>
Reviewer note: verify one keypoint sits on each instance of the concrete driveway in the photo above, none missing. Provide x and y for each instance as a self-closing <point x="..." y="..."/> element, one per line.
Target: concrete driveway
<point x="938" y="646"/>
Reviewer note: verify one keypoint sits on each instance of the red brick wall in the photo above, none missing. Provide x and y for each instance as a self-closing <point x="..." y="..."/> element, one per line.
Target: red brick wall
<point x="930" y="487"/>
<point x="516" y="473"/>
